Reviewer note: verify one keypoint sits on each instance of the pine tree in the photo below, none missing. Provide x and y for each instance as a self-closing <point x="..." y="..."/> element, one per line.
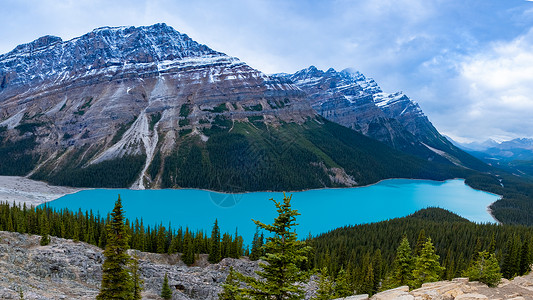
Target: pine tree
<point x="485" y="269"/>
<point x="377" y="264"/>
<point x="161" y="239"/>
<point x="214" y="251"/>
<point x="525" y="264"/>
<point x="403" y="265"/>
<point x="511" y="258"/>
<point x="342" y="287"/>
<point x="492" y="245"/>
<point x="420" y="242"/>
<point x="477" y="249"/>
<point x="188" y="248"/>
<point x="325" y="289"/>
<point x="427" y="266"/>
<point x="137" y="282"/>
<point x="116" y="279"/>
<point x="166" y="292"/>
<point x="231" y="287"/>
<point x="367" y="286"/>
<point x="45" y="231"/>
<point x="257" y="243"/>
<point x="284" y="253"/>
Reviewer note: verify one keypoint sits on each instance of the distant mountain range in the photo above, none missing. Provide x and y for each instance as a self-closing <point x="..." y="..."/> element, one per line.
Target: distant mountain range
<point x="148" y="107"/>
<point x="517" y="149"/>
<point x="514" y="156"/>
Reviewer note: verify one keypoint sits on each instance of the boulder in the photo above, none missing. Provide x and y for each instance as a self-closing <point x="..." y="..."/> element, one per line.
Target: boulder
<point x="471" y="296"/>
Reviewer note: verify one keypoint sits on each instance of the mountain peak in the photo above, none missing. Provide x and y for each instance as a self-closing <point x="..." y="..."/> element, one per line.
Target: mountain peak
<point x="39" y="43"/>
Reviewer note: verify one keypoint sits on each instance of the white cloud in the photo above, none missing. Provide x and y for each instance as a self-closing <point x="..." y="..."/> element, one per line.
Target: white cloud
<point x="492" y="93"/>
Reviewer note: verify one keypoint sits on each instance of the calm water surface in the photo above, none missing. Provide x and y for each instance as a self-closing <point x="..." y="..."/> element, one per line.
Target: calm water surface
<point x="322" y="210"/>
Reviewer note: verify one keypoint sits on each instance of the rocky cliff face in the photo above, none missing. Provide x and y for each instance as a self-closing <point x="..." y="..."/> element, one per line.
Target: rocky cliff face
<point x="148" y="107"/>
<point x="355" y="101"/>
<point x="152" y="85"/>
<point x="68" y="270"/>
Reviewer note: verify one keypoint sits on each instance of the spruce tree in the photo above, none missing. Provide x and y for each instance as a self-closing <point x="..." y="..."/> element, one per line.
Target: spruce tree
<point x="325" y="289"/>
<point x="214" y="251"/>
<point x="420" y="242"/>
<point x="137" y="282"/>
<point x="284" y="253"/>
<point x="525" y="264"/>
<point x="231" y="287"/>
<point x="116" y="279"/>
<point x="403" y="265"/>
<point x="367" y="286"/>
<point x="166" y="292"/>
<point x="485" y="269"/>
<point x="188" y="248"/>
<point x="342" y="287"/>
<point x="45" y="231"/>
<point x="427" y="266"/>
<point x="377" y="264"/>
<point x="257" y="243"/>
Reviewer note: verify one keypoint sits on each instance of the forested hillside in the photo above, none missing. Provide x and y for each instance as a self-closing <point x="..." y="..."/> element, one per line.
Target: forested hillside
<point x="371" y="248"/>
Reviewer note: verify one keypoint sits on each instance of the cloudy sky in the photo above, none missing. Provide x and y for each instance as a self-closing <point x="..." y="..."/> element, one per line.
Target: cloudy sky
<point x="469" y="64"/>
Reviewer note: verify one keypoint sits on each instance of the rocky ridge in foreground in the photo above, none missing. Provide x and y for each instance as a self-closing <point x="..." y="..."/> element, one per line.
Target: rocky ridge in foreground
<point x="68" y="270"/>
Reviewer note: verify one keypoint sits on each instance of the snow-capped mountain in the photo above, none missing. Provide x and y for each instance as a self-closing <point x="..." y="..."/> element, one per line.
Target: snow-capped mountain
<point x="78" y="94"/>
<point x="149" y="107"/>
<point x="355" y="101"/>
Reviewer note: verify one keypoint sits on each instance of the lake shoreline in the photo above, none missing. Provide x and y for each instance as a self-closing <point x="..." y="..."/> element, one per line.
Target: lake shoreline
<point x="22" y="190"/>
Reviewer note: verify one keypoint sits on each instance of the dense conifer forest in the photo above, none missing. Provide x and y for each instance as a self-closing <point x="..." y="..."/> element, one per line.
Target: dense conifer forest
<point x="516" y="205"/>
<point x="90" y="228"/>
<point x="372" y="248"/>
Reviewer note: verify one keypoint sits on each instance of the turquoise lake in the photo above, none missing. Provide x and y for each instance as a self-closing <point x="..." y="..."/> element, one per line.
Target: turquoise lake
<point x="321" y="210"/>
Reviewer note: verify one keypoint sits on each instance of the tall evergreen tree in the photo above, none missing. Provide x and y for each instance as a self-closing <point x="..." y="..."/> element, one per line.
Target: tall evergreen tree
<point x="485" y="269"/>
<point x="257" y="244"/>
<point x="325" y="289"/>
<point x="427" y="267"/>
<point x="116" y="279"/>
<point x="420" y="242"/>
<point x="137" y="282"/>
<point x="403" y="265"/>
<point x="525" y="263"/>
<point x="231" y="287"/>
<point x="166" y="292"/>
<point x="511" y="258"/>
<point x="342" y="286"/>
<point x="377" y="264"/>
<point x="367" y="286"/>
<point x="284" y="253"/>
<point x="188" y="248"/>
<point x="45" y="230"/>
<point x="214" y="251"/>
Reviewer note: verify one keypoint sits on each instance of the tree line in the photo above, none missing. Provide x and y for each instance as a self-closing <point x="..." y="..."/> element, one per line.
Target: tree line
<point x="368" y="251"/>
<point x="90" y="228"/>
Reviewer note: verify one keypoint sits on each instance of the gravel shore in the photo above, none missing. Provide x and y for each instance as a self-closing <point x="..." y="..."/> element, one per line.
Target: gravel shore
<point x="23" y="190"/>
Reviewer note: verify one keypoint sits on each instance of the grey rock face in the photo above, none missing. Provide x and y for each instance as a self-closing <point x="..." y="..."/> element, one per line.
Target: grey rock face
<point x="355" y="101"/>
<point x="68" y="270"/>
<point x="155" y="82"/>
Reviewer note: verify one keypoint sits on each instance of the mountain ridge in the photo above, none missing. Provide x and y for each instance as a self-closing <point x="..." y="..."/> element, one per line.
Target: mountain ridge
<point x="148" y="107"/>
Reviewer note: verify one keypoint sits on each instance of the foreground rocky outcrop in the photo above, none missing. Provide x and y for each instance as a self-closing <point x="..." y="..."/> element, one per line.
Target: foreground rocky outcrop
<point x="519" y="288"/>
<point x="68" y="270"/>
